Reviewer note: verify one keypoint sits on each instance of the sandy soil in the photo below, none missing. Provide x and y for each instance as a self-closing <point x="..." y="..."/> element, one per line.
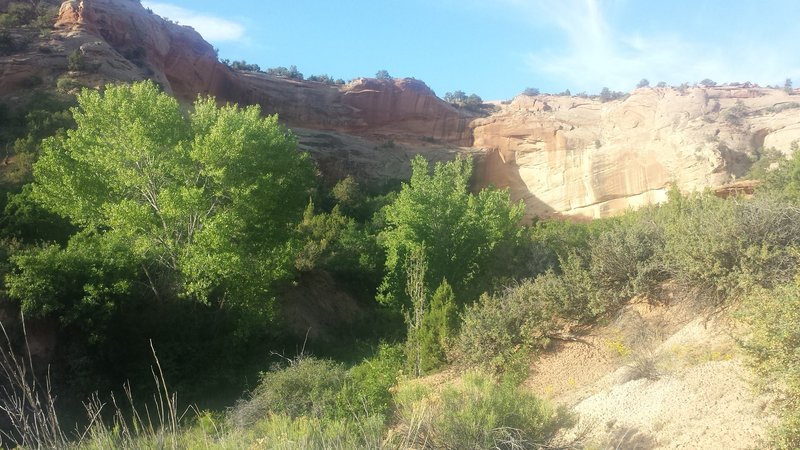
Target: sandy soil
<point x="656" y="378"/>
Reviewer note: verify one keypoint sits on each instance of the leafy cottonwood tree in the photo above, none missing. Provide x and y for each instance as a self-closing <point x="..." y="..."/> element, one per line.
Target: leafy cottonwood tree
<point x="460" y="232"/>
<point x="204" y="204"/>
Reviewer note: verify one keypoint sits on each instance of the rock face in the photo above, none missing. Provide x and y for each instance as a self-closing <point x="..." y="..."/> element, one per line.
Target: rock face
<point x="402" y="108"/>
<point x="565" y="156"/>
<point x="124" y="34"/>
<point x="579" y="157"/>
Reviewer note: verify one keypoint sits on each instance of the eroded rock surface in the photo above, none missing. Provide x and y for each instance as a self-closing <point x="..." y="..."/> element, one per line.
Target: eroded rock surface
<point x="581" y="157"/>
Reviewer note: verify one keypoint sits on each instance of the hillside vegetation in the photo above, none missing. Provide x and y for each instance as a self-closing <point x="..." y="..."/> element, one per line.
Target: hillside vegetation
<point x="159" y="242"/>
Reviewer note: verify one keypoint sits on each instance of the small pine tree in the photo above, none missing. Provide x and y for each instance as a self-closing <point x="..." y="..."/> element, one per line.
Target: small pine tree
<point x="76" y="61"/>
<point x="438" y="328"/>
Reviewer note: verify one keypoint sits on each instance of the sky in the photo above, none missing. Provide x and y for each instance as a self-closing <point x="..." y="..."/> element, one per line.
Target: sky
<point x="498" y="48"/>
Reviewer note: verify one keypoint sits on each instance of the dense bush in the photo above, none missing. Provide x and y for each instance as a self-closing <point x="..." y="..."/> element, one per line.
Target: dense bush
<point x="702" y="249"/>
<point x="460" y="99"/>
<point x="717" y="249"/>
<point x="625" y="260"/>
<point x="284" y="72"/>
<point x="76" y="61"/>
<point x="551" y="241"/>
<point x="477" y="414"/>
<point x="18" y="13"/>
<point x="367" y="388"/>
<point x="307" y="387"/>
<point x="318" y="388"/>
<point x="774" y="347"/>
<point x="499" y="331"/>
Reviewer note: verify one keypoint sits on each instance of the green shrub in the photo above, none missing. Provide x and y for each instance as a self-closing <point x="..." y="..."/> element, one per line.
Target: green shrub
<point x="7" y="43"/>
<point x="735" y="114"/>
<point x="18" y="13"/>
<point x="773" y="345"/>
<point x="76" y="62"/>
<point x="551" y="241"/>
<point x="366" y="389"/>
<point x="702" y="250"/>
<point x="718" y="249"/>
<point x="477" y="414"/>
<point x="762" y="166"/>
<point x="67" y="85"/>
<point x="498" y="332"/>
<point x="625" y="259"/>
<point x="336" y="243"/>
<point x="462" y="233"/>
<point x="438" y="328"/>
<point x="307" y="387"/>
<point x="770" y="228"/>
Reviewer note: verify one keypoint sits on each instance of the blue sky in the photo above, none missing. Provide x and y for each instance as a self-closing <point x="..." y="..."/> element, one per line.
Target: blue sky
<point x="497" y="48"/>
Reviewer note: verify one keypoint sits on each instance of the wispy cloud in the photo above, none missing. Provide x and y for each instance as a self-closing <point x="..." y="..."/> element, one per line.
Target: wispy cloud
<point x="595" y="53"/>
<point x="212" y="28"/>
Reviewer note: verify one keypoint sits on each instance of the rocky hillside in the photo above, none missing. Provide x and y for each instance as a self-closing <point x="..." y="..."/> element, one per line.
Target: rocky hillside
<point x="562" y="155"/>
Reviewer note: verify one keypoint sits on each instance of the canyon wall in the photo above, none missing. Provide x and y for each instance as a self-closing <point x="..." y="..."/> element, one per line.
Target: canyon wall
<point x="580" y="157"/>
<point x="563" y="155"/>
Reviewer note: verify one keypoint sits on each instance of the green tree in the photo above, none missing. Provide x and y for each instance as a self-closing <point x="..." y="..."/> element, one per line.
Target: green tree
<point x="205" y="204"/>
<point x="606" y="94"/>
<point x="707" y="82"/>
<point x="76" y="62"/>
<point x="474" y="100"/>
<point x="644" y="82"/>
<point x="457" y="97"/>
<point x="462" y="233"/>
<point x="383" y="74"/>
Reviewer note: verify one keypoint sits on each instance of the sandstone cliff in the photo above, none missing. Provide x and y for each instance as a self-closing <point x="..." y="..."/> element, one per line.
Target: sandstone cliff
<point x="563" y="155"/>
<point x="580" y="157"/>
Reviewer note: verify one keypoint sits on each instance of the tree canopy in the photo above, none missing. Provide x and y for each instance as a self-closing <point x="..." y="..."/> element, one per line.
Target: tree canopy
<point x="459" y="232"/>
<point x="203" y="204"/>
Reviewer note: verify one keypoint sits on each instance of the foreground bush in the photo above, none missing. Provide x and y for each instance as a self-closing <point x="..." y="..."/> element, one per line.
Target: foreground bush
<point x="477" y="414"/>
<point x="308" y="386"/>
<point x="719" y="249"/>
<point x="626" y="261"/>
<point x="498" y="331"/>
<point x="774" y="347"/>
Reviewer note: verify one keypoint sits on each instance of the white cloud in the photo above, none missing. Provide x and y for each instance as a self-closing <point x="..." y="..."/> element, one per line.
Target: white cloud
<point x="596" y="54"/>
<point x="213" y="29"/>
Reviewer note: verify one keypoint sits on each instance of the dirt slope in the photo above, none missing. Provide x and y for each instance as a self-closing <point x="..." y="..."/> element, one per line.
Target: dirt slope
<point x="657" y="378"/>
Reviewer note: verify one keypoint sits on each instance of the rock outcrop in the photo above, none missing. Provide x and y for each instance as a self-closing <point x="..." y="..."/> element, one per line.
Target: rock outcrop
<point x="403" y="108"/>
<point x="580" y="157"/>
<point x="565" y="156"/>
